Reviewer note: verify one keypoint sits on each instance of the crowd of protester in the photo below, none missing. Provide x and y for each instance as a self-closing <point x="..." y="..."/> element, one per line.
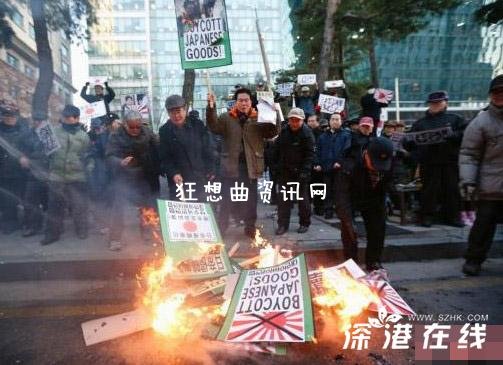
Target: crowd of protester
<point x="115" y="164"/>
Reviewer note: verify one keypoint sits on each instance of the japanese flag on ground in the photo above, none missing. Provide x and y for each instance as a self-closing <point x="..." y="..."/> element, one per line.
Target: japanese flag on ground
<point x="272" y="304"/>
<point x="390" y="299"/>
<point x="383" y="95"/>
<point x="191" y="237"/>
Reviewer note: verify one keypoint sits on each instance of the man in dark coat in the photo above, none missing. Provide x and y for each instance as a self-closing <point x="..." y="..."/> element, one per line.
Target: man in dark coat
<point x="330" y="150"/>
<point x="439" y="161"/>
<point x="369" y="181"/>
<point x="13" y="135"/>
<point x="316" y="175"/>
<point x="481" y="174"/>
<point x="186" y="150"/>
<point x="294" y="153"/>
<point x="98" y="95"/>
<point x="132" y="155"/>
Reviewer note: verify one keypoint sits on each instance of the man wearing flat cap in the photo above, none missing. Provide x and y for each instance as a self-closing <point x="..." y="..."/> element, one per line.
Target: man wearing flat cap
<point x="186" y="149"/>
<point x="438" y="161"/>
<point x="294" y="155"/>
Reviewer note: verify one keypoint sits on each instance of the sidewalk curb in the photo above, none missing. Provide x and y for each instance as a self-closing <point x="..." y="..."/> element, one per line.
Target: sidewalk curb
<point x="323" y="254"/>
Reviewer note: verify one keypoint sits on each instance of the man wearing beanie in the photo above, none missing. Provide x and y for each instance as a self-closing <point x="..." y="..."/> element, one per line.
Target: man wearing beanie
<point x="68" y="167"/>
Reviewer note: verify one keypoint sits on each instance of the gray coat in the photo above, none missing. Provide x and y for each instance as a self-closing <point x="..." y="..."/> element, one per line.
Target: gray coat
<point x="481" y="155"/>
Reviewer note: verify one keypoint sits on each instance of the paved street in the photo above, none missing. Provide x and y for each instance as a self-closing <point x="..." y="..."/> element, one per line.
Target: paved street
<point x="40" y="321"/>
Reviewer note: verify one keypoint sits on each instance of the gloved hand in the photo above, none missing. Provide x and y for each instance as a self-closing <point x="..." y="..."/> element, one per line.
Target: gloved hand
<point x="106" y="83"/>
<point x="87" y="83"/>
<point x="467" y="191"/>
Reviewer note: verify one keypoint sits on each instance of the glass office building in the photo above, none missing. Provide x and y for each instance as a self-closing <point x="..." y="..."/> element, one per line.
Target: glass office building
<point x="452" y="53"/>
<point x="136" y="43"/>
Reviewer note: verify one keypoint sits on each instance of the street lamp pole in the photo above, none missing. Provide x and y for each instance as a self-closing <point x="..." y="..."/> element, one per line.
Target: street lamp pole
<point x="397" y="98"/>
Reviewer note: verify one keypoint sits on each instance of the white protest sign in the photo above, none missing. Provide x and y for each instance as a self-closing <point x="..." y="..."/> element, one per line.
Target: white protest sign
<point x="108" y="328"/>
<point x="98" y="80"/>
<point x="93" y="110"/>
<point x="266" y="112"/>
<point x="331" y="104"/>
<point x="383" y="95"/>
<point x="285" y="89"/>
<point x="266" y="96"/>
<point x="306" y="79"/>
<point x="334" y="83"/>
<point x="48" y="138"/>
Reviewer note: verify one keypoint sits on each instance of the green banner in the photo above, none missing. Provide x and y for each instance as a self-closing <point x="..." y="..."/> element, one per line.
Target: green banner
<point x="203" y="33"/>
<point x="272" y="304"/>
<point x="192" y="238"/>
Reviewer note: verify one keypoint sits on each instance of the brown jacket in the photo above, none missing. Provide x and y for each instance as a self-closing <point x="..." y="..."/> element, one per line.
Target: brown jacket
<point x="253" y="135"/>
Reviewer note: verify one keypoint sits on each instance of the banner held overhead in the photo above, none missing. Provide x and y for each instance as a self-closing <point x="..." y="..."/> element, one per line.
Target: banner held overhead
<point x="203" y="34"/>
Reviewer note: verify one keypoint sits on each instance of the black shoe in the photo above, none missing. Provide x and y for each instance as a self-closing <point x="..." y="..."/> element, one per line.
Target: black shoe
<point x="329" y="215"/>
<point x="250" y="232"/>
<point x="471" y="268"/>
<point x="302" y="229"/>
<point x="28" y="232"/>
<point x="48" y="240"/>
<point x="281" y="230"/>
<point x="82" y="235"/>
<point x="374" y="266"/>
<point x="455" y="223"/>
<point x="426" y="222"/>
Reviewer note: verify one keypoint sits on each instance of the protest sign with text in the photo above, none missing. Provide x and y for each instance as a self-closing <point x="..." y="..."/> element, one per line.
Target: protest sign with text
<point x="191" y="237"/>
<point x="306" y="79"/>
<point x="98" y="80"/>
<point x="48" y="138"/>
<point x="285" y="89"/>
<point x="430" y="136"/>
<point x="271" y="304"/>
<point x="334" y="84"/>
<point x="331" y="104"/>
<point x="138" y="102"/>
<point x="203" y="34"/>
<point x="93" y="110"/>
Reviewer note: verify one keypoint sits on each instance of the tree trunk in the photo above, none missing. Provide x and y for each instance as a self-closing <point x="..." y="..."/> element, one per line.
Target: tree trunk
<point x="328" y="36"/>
<point x="189" y="79"/>
<point x="40" y="102"/>
<point x="374" y="72"/>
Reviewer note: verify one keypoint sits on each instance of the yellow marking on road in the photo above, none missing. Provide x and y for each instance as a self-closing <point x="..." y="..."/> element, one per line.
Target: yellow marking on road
<point x="452" y="284"/>
<point x="98" y="310"/>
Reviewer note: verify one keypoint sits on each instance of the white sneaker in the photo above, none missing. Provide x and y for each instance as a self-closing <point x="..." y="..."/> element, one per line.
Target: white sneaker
<point x="115" y="246"/>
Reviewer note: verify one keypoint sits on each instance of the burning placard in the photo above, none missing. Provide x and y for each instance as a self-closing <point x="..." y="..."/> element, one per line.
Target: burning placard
<point x="389" y="298"/>
<point x="191" y="237"/>
<point x="272" y="304"/>
<point x="203" y="33"/>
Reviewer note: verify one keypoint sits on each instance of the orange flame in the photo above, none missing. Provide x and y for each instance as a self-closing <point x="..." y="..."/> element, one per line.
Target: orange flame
<point x="345" y="295"/>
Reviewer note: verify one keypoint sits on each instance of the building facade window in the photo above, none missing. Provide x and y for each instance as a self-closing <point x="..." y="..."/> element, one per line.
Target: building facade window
<point x="65" y="68"/>
<point x="29" y="71"/>
<point x="12" y="60"/>
<point x="31" y="31"/>
<point x="17" y="18"/>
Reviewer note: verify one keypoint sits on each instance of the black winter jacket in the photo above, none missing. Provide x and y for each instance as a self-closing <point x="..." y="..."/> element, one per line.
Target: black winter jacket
<point x="445" y="152"/>
<point x="187" y="150"/>
<point x="294" y="152"/>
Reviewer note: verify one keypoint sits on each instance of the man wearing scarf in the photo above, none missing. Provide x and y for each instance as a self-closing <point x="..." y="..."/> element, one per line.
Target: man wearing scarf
<point x="242" y="158"/>
<point x="68" y="167"/>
